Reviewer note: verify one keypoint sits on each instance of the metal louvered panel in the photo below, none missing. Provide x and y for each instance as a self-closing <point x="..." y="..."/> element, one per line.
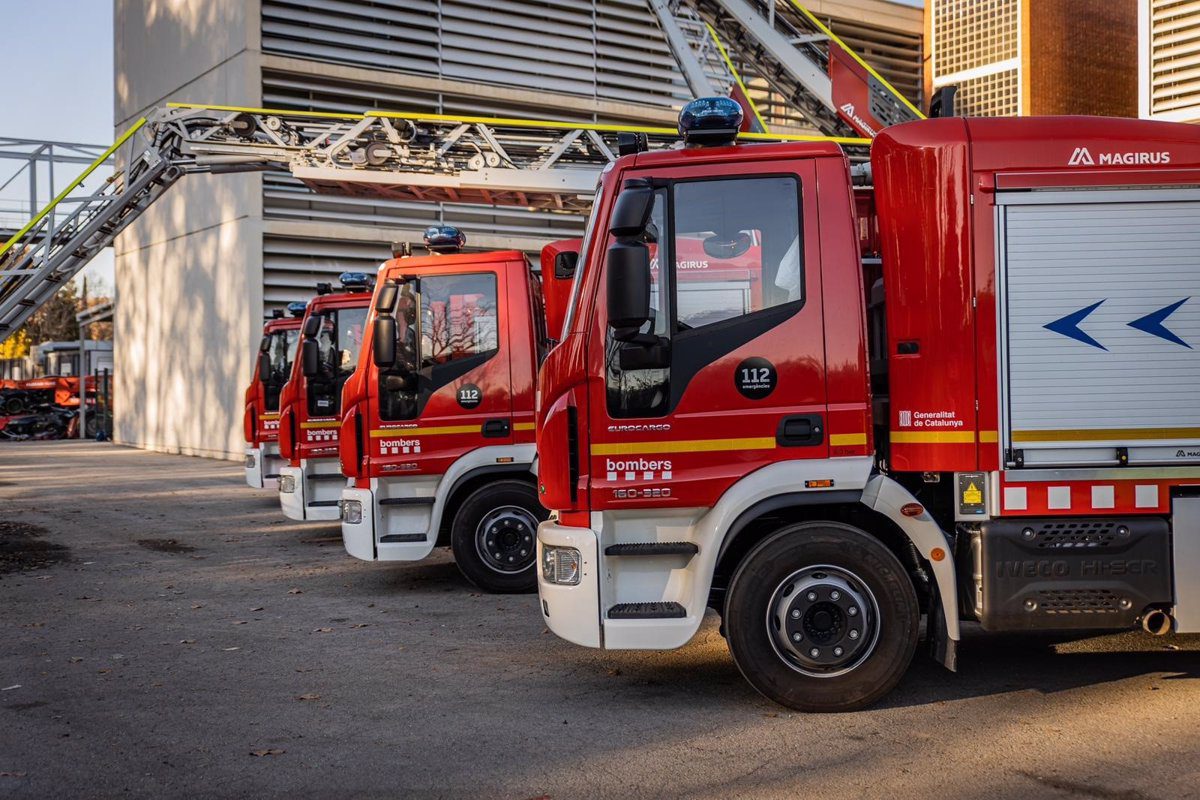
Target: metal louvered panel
<point x="606" y="49"/>
<point x="292" y="266"/>
<point x="1174" y="55"/>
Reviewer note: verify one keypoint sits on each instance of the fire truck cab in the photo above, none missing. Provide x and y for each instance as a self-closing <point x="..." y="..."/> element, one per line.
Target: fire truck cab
<point x="260" y="422"/>
<point x="437" y="430"/>
<point x="310" y="483"/>
<point x="997" y="422"/>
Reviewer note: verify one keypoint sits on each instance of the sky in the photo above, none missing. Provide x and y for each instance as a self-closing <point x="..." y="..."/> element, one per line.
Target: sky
<point x="58" y="62"/>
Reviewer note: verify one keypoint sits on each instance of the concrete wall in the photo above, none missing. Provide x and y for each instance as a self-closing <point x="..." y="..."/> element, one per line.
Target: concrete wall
<point x="189" y="271"/>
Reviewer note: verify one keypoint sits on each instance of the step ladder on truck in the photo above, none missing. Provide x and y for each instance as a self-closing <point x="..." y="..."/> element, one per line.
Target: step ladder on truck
<point x="310" y="405"/>
<point x="437" y="430"/>
<point x="260" y="420"/>
<point x="998" y="424"/>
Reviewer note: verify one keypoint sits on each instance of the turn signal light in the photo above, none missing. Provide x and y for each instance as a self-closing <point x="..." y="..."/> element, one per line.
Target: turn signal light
<point x="561" y="565"/>
<point x="912" y="509"/>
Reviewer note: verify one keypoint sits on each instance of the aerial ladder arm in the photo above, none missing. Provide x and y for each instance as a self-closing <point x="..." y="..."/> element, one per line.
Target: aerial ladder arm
<point x="538" y="164"/>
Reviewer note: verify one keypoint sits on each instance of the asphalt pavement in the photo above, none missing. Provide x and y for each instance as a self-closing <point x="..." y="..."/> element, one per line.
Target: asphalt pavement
<point x="167" y="633"/>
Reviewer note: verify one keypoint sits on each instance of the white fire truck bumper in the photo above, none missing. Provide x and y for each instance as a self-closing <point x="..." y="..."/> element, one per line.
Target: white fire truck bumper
<point x="262" y="466"/>
<point x="358" y="527"/>
<point x="570" y="596"/>
<point x="312" y="491"/>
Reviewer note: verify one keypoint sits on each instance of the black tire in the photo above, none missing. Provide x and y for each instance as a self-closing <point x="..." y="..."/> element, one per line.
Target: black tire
<point x="807" y="581"/>
<point x="14" y="406"/>
<point x="507" y="511"/>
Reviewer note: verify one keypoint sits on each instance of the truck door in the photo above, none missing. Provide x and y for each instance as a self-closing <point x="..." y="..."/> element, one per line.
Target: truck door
<point x="449" y="392"/>
<point x="735" y="377"/>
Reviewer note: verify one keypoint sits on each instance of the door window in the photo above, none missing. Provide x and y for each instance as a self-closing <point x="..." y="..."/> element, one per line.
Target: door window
<point x="445" y="327"/>
<point x="338" y="345"/>
<point x="735" y="251"/>
<point x="281" y="351"/>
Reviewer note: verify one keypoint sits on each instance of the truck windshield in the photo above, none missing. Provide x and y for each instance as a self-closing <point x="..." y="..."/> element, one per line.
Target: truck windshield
<point x="338" y="343"/>
<point x="573" y="301"/>
<point x="281" y="349"/>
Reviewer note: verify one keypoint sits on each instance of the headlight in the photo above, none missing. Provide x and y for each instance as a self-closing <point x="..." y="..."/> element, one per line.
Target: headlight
<point x="561" y="565"/>
<point x="287" y="484"/>
<point x="250" y="462"/>
<point x="352" y="511"/>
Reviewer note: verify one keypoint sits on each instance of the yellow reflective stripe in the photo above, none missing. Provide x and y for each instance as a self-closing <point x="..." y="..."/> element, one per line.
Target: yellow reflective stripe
<point x="327" y="424"/>
<point x="820" y="25"/>
<point x="1105" y="434"/>
<point x="847" y="439"/>
<point x="989" y="437"/>
<point x="733" y="71"/>
<point x="524" y="426"/>
<point x="73" y="185"/>
<point x="512" y="122"/>
<point x="375" y="434"/>
<point x="685" y="446"/>
<point x="268" y="416"/>
<point x="933" y="437"/>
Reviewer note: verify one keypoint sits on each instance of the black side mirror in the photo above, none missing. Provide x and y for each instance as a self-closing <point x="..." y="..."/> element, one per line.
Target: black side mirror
<point x="312" y="326"/>
<point x="310" y="357"/>
<point x="628" y="289"/>
<point x="385" y="302"/>
<point x="383" y="346"/>
<point x="264" y="366"/>
<point x="631" y="212"/>
<point x="564" y="266"/>
<point x="265" y="344"/>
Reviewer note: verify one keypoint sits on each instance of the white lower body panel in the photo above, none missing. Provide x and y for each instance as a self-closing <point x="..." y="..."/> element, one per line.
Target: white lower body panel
<point x="318" y="488"/>
<point x="262" y="466"/>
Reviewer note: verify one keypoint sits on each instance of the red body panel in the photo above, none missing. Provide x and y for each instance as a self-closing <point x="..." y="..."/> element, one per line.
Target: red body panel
<point x="935" y="185"/>
<point x="556" y="290"/>
<point x="445" y="428"/>
<point x="259" y="425"/>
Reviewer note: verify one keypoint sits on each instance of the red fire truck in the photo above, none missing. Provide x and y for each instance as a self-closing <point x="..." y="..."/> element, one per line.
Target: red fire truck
<point x="260" y="423"/>
<point x="992" y="419"/>
<point x="437" y="431"/>
<point x="311" y="480"/>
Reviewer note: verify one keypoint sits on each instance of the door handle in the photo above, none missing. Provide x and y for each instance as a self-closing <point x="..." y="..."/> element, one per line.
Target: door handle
<point x="800" y="430"/>
<point x="496" y="429"/>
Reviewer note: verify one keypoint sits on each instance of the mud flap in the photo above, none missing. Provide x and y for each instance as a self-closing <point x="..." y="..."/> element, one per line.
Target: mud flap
<point x="943" y="649"/>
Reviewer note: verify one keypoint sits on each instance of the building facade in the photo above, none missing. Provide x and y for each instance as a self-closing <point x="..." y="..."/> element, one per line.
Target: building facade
<point x="1169" y="60"/>
<point x="1021" y="57"/>
<point x="195" y="274"/>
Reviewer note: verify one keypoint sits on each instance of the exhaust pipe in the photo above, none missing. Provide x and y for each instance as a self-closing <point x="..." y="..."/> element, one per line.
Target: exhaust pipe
<point x="1157" y="623"/>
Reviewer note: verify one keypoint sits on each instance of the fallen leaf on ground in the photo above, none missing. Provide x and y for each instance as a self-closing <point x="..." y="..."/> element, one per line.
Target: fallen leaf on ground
<point x="259" y="608"/>
<point x="295" y="591"/>
<point x="13" y="774"/>
<point x="230" y="649"/>
<point x="359" y="625"/>
<point x="239" y="622"/>
<point x="197" y="605"/>
<point x="309" y="697"/>
<point x="76" y="659"/>
<point x="323" y="630"/>
<point x="187" y="641"/>
<point x="274" y="751"/>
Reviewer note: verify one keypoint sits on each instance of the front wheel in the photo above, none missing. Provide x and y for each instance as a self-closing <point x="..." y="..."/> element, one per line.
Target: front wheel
<point x="494" y="536"/>
<point x="821" y="616"/>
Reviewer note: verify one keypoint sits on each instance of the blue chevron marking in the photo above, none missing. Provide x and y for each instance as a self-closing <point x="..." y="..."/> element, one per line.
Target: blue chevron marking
<point x="1153" y="323"/>
<point x="1069" y="326"/>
